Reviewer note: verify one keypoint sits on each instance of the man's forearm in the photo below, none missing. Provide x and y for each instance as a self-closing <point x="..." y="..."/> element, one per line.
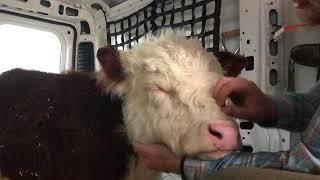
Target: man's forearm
<point x="293" y="111"/>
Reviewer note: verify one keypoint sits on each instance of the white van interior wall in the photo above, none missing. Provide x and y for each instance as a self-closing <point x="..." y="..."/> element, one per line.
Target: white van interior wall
<point x="57" y="10"/>
<point x="306" y="35"/>
<point x="230" y="20"/>
<point x="65" y="33"/>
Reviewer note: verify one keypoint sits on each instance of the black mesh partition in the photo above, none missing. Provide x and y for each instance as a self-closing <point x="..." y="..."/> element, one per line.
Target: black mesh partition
<point x="200" y="18"/>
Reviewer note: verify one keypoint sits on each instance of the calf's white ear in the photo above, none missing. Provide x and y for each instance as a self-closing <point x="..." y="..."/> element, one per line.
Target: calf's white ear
<point x="231" y="63"/>
<point x="109" y="59"/>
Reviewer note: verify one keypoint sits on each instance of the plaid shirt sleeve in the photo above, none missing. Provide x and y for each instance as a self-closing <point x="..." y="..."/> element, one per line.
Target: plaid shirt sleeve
<point x="300" y="159"/>
<point x="195" y="169"/>
<point x="296" y="112"/>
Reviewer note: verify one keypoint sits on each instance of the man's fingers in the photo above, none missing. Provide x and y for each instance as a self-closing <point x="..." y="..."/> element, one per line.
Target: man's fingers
<point x="231" y="110"/>
<point x="227" y="86"/>
<point x="226" y="90"/>
<point x="149" y="149"/>
<point x="236" y="111"/>
<point x="220" y="84"/>
<point x="300" y="3"/>
<point x="143" y="150"/>
<point x="223" y="95"/>
<point x="146" y="161"/>
<point x="219" y="93"/>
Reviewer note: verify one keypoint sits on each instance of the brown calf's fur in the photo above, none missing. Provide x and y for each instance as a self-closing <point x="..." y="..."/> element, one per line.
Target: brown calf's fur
<point x="59" y="127"/>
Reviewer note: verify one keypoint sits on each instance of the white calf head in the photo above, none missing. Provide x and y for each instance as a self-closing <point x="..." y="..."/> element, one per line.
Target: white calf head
<point x="167" y="83"/>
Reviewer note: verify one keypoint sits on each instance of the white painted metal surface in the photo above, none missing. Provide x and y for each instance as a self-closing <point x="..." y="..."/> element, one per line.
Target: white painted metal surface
<point x="126" y="8"/>
<point x="256" y="34"/>
<point x="65" y="35"/>
<point x="94" y="17"/>
<point x="306" y="35"/>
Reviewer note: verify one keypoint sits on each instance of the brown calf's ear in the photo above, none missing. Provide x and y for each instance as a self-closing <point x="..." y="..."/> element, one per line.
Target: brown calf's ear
<point x="109" y="59"/>
<point x="231" y="63"/>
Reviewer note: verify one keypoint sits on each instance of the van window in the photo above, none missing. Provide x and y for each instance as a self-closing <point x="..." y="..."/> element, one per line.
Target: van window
<point x="29" y="49"/>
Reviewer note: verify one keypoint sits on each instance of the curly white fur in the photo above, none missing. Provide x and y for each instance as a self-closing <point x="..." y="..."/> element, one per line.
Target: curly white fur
<point x="168" y="93"/>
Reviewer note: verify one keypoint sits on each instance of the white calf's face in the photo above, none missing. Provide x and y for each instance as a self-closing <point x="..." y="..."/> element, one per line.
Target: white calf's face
<point x="167" y="88"/>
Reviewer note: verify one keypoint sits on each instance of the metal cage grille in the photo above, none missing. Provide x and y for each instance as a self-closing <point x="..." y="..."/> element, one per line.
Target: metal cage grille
<point x="198" y="18"/>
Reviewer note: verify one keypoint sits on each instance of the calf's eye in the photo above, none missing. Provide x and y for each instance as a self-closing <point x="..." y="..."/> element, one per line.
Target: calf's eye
<point x="156" y="89"/>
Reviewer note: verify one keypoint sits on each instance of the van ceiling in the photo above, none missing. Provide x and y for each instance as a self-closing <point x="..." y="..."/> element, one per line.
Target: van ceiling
<point x="110" y="3"/>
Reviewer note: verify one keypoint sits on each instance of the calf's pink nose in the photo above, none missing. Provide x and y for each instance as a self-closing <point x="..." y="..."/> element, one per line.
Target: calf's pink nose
<point x="224" y="136"/>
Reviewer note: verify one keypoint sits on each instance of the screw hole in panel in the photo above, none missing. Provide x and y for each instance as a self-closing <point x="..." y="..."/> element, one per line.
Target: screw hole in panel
<point x="71" y="11"/>
<point x="273" y="17"/>
<point x="45" y="3"/>
<point x="250" y="63"/>
<point x="247" y="148"/>
<point x="61" y="9"/>
<point x="273" y="77"/>
<point x="273" y="47"/>
<point x="246" y="125"/>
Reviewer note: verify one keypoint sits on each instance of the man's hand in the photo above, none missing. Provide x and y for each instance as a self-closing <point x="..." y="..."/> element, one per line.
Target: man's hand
<point x="248" y="101"/>
<point x="308" y="10"/>
<point x="158" y="158"/>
